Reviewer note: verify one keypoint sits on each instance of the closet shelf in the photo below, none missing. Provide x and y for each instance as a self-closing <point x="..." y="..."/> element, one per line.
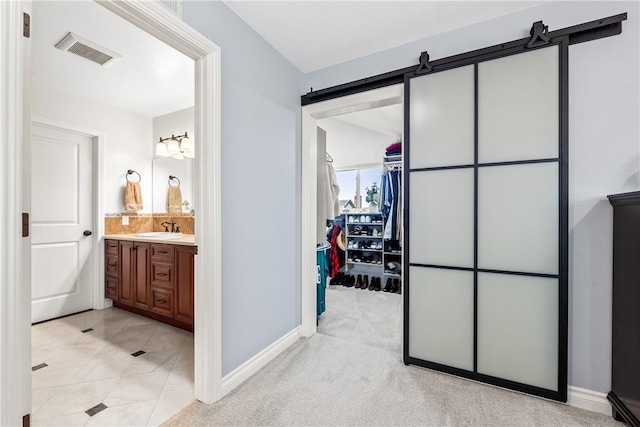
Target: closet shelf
<point x="364" y="263"/>
<point x="393" y="253"/>
<point x="391" y="274"/>
<point x="364" y="236"/>
<point x="363" y="250"/>
<point x="365" y="223"/>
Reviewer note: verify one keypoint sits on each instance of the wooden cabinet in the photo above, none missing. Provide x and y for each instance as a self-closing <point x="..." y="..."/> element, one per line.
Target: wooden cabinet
<point x="151" y="279"/>
<point x="112" y="269"/>
<point x="185" y="256"/>
<point x="625" y="378"/>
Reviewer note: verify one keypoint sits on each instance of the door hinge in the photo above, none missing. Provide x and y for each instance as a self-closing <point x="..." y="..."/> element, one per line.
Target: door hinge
<point x="25" y="224"/>
<point x="26" y="25"/>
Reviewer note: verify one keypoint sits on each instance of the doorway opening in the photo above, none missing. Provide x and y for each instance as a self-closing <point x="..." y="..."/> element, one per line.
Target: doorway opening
<point x="160" y="23"/>
<point x="356" y="166"/>
<point x="363" y="211"/>
<point x="113" y="361"/>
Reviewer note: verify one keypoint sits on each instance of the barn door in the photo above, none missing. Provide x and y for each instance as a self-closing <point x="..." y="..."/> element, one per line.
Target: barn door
<point x="486" y="218"/>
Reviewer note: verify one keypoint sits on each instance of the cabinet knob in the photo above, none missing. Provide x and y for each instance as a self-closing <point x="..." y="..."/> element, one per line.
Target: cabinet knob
<point x="161" y="301"/>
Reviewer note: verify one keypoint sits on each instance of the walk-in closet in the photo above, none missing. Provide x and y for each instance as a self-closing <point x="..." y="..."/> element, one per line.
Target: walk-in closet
<point x="359" y="235"/>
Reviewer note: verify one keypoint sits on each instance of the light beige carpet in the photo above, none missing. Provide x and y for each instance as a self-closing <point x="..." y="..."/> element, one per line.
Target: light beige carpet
<point x="328" y="381"/>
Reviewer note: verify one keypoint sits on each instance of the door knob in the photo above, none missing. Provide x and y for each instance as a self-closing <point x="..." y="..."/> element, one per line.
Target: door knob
<point x="87" y="232"/>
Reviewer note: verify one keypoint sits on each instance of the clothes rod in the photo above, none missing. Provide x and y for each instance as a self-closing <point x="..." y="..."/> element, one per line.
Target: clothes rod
<point x="593" y="30"/>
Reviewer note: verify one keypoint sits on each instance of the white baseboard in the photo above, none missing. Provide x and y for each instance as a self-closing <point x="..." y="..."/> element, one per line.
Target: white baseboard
<point x="588" y="399"/>
<point x="257" y="362"/>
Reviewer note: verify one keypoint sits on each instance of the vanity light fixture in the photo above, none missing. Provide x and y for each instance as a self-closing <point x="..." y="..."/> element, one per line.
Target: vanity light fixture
<point x="177" y="147"/>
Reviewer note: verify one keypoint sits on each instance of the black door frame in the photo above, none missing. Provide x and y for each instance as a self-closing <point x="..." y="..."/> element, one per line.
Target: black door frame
<point x="563" y="194"/>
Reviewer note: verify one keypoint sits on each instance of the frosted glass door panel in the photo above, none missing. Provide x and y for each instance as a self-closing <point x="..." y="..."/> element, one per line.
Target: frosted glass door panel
<point x="441" y="217"/>
<point x="518" y="218"/>
<point x="442" y="118"/>
<point x="518" y="328"/>
<point x="518" y="107"/>
<point x="441" y="316"/>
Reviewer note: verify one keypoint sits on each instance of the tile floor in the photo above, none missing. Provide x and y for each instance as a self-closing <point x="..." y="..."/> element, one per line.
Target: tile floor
<point x="109" y="368"/>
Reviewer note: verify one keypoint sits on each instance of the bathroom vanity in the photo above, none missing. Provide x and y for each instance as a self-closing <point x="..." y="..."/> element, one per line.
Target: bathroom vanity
<point x="152" y="277"/>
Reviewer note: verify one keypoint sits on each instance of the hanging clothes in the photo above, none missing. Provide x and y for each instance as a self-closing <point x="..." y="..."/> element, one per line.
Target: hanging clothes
<point x="392" y="204"/>
<point x="325" y="205"/>
<point x="335" y="189"/>
<point x="336" y="253"/>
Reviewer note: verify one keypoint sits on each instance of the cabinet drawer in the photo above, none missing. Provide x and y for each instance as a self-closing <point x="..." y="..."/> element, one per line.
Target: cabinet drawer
<point x="111" y="287"/>
<point x="162" y="252"/>
<point x="162" y="274"/>
<point x="112" y="267"/>
<point x="162" y="301"/>
<point x="111" y="246"/>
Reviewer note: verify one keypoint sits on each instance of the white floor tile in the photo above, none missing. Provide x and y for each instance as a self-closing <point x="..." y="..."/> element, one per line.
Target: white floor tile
<point x="134" y="414"/>
<point x="103" y="366"/>
<point x="150" y="362"/>
<point x="173" y="399"/>
<point x="70" y="420"/>
<point x="76" y="398"/>
<point x="136" y="388"/>
<point x="85" y="369"/>
<point x="41" y="396"/>
<point x="47" y="377"/>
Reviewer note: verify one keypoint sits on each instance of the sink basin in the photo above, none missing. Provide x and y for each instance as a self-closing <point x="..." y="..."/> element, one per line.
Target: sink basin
<point x="160" y="235"/>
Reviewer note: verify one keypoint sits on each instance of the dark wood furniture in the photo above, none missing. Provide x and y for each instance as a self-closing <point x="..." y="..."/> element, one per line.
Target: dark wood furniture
<point x="151" y="279"/>
<point x="625" y="378"/>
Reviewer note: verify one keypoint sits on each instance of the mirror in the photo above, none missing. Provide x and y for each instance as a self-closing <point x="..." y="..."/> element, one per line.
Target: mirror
<point x="176" y="123"/>
<point x="163" y="167"/>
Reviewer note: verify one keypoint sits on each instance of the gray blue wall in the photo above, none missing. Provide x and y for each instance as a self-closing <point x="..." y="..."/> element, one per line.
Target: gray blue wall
<point x="260" y="184"/>
<point x="604" y="149"/>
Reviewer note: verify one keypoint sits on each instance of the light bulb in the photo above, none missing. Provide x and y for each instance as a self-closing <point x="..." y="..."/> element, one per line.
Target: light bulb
<point x="161" y="149"/>
<point x="186" y="144"/>
<point x="173" y="147"/>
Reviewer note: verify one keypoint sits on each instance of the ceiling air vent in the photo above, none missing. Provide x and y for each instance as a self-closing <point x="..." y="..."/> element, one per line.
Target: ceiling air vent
<point x="75" y="44"/>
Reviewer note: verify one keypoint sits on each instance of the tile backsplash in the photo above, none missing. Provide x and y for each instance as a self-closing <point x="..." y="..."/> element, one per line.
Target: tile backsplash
<point x="140" y="223"/>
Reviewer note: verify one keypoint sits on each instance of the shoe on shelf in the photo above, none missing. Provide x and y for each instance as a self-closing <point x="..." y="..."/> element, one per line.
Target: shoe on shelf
<point x="367" y="218"/>
<point x="372" y="285"/>
<point x="359" y="282"/>
<point x="379" y="245"/>
<point x="387" y="286"/>
<point x="350" y="244"/>
<point x="375" y="232"/>
<point x="362" y="218"/>
<point x="378" y="287"/>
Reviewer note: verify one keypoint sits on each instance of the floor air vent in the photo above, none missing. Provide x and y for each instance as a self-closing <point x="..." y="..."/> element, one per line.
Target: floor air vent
<point x="75" y="44"/>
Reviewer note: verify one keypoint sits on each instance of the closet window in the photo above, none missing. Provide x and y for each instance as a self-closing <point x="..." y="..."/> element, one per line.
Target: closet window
<point x="353" y="184"/>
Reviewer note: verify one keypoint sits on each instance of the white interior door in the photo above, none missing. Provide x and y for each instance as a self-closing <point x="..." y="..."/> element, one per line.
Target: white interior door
<point x="62" y="271"/>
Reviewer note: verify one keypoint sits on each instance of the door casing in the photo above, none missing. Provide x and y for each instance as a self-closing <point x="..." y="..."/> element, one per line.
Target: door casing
<point x="310" y="115"/>
<point x="15" y="295"/>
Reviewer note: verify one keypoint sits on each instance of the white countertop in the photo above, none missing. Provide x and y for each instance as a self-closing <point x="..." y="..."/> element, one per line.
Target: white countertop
<point x="185" y="239"/>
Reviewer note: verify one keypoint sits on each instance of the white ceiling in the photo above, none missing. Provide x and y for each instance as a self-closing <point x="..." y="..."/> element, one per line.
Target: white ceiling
<point x="150" y="79"/>
<point x="317" y="34"/>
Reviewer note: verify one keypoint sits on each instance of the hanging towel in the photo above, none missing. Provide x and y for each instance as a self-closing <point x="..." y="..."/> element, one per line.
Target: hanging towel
<point x="132" y="197"/>
<point x="174" y="199"/>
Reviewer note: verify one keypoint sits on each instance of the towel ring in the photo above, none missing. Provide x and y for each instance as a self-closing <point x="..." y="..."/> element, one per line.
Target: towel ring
<point x="171" y="178"/>
<point x="131" y="172"/>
